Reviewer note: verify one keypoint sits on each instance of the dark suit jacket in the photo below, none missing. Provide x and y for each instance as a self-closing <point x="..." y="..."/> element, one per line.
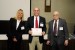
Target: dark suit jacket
<point x="31" y="25"/>
<point x="74" y="30"/>
<point x="16" y="33"/>
<point x="62" y="34"/>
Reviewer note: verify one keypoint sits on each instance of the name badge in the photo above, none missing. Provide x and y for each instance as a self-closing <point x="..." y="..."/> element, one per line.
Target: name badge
<point x="60" y="28"/>
<point x="22" y="28"/>
<point x="41" y="24"/>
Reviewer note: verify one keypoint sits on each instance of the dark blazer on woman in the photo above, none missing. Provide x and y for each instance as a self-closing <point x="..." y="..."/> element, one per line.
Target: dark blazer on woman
<point x="17" y="33"/>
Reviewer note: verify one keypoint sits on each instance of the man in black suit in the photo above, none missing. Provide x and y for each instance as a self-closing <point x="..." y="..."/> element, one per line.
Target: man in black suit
<point x="57" y="32"/>
<point x="36" y="21"/>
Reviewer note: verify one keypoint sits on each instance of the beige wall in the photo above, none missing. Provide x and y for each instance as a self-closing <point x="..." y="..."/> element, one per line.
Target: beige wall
<point x="65" y="7"/>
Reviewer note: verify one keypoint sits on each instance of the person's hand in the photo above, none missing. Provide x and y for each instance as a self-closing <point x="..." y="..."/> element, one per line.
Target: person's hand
<point x="30" y="32"/>
<point x="14" y="39"/>
<point x="66" y="42"/>
<point x="43" y="33"/>
<point x="48" y="42"/>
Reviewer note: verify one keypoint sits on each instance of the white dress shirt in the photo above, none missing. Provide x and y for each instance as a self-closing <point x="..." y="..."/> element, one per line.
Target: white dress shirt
<point x="18" y="22"/>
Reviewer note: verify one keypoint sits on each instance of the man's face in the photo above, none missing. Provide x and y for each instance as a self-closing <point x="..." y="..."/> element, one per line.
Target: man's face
<point x="55" y="15"/>
<point x="36" y="11"/>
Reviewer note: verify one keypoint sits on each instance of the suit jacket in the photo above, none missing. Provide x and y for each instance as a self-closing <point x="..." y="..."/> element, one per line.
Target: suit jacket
<point x="31" y="25"/>
<point x="62" y="34"/>
<point x="74" y="30"/>
<point x="16" y="33"/>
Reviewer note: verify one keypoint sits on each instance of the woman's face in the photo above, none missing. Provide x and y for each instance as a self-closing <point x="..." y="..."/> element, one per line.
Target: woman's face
<point x="20" y="14"/>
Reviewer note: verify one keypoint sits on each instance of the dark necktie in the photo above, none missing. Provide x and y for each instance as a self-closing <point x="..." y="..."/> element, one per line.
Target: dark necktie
<point x="55" y="27"/>
<point x="36" y="23"/>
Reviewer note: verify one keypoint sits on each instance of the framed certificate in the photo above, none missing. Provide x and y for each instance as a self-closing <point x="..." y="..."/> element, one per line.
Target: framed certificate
<point x="36" y="31"/>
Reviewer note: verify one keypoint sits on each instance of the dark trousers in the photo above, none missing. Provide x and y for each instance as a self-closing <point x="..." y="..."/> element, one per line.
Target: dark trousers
<point x="56" y="45"/>
<point x="14" y="45"/>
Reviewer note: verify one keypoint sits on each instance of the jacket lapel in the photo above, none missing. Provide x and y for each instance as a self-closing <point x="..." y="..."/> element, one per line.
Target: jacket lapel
<point x="59" y="24"/>
<point x="19" y="25"/>
<point x="32" y="21"/>
<point x="15" y="23"/>
<point x="52" y="25"/>
<point x="39" y="20"/>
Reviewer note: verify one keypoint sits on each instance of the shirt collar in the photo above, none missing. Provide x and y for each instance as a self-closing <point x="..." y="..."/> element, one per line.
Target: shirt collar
<point x="35" y="17"/>
<point x="57" y="20"/>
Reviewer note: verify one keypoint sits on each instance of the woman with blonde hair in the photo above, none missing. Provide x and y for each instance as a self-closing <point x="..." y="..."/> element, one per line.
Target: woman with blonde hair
<point x="16" y="29"/>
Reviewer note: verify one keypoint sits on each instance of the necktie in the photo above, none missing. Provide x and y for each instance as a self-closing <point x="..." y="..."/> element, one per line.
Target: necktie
<point x="55" y="27"/>
<point x="36" y="23"/>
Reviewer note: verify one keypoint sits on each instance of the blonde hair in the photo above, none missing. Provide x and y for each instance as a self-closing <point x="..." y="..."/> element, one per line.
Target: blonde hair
<point x="17" y="12"/>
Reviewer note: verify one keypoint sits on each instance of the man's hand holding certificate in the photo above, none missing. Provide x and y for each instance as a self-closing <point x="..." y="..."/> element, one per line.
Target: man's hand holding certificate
<point x="36" y="32"/>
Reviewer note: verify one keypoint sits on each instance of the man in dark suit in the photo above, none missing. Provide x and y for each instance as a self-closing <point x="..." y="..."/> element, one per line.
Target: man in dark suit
<point x="36" y="21"/>
<point x="57" y="32"/>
